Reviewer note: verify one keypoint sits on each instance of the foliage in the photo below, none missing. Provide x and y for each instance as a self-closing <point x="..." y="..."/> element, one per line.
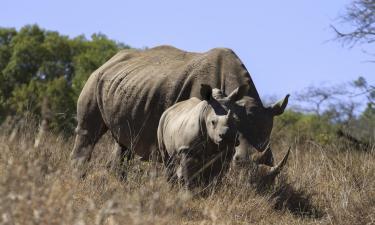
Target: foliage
<point x="62" y="108"/>
<point x="300" y="127"/>
<point x="327" y="112"/>
<point x="367" y="89"/>
<point x="364" y="127"/>
<point x="26" y="98"/>
<point x="36" y="64"/>
<point x="97" y="52"/>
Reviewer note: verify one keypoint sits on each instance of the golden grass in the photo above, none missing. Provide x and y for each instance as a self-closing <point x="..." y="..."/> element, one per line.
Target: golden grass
<point x="320" y="185"/>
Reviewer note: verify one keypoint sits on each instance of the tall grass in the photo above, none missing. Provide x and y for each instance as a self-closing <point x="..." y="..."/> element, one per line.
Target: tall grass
<point x="330" y="184"/>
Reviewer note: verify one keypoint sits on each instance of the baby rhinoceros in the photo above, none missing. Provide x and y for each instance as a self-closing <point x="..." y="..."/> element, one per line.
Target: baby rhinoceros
<point x="196" y="139"/>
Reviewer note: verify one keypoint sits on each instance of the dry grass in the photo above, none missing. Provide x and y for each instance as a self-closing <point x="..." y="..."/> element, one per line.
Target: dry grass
<point x="330" y="185"/>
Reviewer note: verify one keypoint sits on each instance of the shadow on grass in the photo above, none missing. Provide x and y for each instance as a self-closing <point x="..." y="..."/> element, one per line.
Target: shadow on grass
<point x="298" y="202"/>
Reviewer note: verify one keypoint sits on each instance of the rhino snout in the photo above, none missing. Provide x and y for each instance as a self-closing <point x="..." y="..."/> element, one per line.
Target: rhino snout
<point x="225" y="135"/>
<point x="239" y="161"/>
<point x="237" y="158"/>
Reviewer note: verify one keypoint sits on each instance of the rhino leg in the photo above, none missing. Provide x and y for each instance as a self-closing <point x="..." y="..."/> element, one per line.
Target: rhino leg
<point x="170" y="165"/>
<point x="83" y="147"/>
<point x="117" y="162"/>
<point x="188" y="171"/>
<point x="89" y="130"/>
<point x="218" y="168"/>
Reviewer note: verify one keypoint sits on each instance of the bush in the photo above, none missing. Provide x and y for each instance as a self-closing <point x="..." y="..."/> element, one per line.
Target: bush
<point x="300" y="127"/>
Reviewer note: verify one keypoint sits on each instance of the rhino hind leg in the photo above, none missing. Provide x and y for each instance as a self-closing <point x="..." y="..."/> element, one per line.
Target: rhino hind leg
<point x="170" y="163"/>
<point x="83" y="146"/>
<point x="90" y="129"/>
<point x="118" y="159"/>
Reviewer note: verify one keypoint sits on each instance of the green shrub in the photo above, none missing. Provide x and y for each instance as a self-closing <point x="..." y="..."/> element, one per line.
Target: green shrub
<point x="300" y="127"/>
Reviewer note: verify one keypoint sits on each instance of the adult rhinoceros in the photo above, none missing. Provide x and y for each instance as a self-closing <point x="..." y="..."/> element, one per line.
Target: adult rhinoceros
<point x="128" y="94"/>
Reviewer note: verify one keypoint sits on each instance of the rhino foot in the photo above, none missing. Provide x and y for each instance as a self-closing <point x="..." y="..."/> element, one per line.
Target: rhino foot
<point x="79" y="167"/>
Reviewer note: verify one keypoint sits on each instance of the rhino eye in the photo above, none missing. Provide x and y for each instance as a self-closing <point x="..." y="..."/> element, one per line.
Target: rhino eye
<point x="213" y="122"/>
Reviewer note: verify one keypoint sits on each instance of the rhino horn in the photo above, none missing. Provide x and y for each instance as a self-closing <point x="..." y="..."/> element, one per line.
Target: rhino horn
<point x="279" y="107"/>
<point x="229" y="114"/>
<point x="259" y="157"/>
<point x="238" y="93"/>
<point x="275" y="170"/>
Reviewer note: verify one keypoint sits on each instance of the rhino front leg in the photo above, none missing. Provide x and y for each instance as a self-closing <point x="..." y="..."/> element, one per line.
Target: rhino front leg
<point x="188" y="171"/>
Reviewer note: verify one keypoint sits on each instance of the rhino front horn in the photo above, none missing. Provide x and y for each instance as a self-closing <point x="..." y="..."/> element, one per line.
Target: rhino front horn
<point x="275" y="170"/>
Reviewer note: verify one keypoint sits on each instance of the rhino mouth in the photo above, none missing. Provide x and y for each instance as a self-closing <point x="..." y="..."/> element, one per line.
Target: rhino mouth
<point x="259" y="170"/>
<point x="241" y="163"/>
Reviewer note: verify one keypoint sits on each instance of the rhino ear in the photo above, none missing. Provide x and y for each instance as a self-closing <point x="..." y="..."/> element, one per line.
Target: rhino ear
<point x="206" y="92"/>
<point x="238" y="93"/>
<point x="279" y="107"/>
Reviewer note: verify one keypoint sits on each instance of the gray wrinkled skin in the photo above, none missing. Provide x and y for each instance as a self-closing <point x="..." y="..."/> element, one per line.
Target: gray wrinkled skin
<point x="254" y="123"/>
<point x="128" y="94"/>
<point x="192" y="132"/>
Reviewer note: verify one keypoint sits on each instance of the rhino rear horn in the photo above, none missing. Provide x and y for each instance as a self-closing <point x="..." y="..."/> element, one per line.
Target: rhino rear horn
<point x="259" y="157"/>
<point x="229" y="114"/>
<point x="279" y="107"/>
<point x="238" y="93"/>
<point x="275" y="170"/>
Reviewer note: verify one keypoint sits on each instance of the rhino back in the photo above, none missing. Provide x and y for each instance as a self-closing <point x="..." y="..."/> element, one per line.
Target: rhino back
<point x="135" y="87"/>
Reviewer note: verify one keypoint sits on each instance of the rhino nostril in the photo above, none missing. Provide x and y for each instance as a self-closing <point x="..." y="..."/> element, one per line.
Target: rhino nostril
<point x="237" y="158"/>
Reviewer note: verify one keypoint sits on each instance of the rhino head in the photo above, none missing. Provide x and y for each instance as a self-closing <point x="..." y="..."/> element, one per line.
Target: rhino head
<point x="218" y="121"/>
<point x="254" y="125"/>
<point x="262" y="175"/>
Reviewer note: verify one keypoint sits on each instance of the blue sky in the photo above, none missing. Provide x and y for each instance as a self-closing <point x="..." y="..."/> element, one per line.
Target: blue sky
<point x="285" y="45"/>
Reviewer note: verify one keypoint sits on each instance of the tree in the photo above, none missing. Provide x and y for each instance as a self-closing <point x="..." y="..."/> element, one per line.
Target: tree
<point x="6" y="37"/>
<point x="61" y="105"/>
<point x="37" y="64"/>
<point x="360" y="15"/>
<point x="318" y="99"/>
<point x="365" y="125"/>
<point x="93" y="54"/>
<point x="302" y="127"/>
<point x="366" y="89"/>
<point x="58" y="57"/>
<point x="26" y="98"/>
<point x="26" y="58"/>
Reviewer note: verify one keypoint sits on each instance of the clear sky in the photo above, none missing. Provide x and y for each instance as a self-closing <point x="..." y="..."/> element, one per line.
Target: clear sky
<point x="284" y="44"/>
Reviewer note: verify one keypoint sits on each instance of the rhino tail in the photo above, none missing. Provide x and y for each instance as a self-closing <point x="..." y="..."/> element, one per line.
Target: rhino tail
<point x="161" y="146"/>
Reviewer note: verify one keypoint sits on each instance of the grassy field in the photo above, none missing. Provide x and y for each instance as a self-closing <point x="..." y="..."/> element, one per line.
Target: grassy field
<point x="333" y="184"/>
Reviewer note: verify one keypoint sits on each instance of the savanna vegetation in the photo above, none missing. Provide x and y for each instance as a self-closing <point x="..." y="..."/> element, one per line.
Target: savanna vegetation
<point x="329" y="178"/>
<point x="331" y="183"/>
